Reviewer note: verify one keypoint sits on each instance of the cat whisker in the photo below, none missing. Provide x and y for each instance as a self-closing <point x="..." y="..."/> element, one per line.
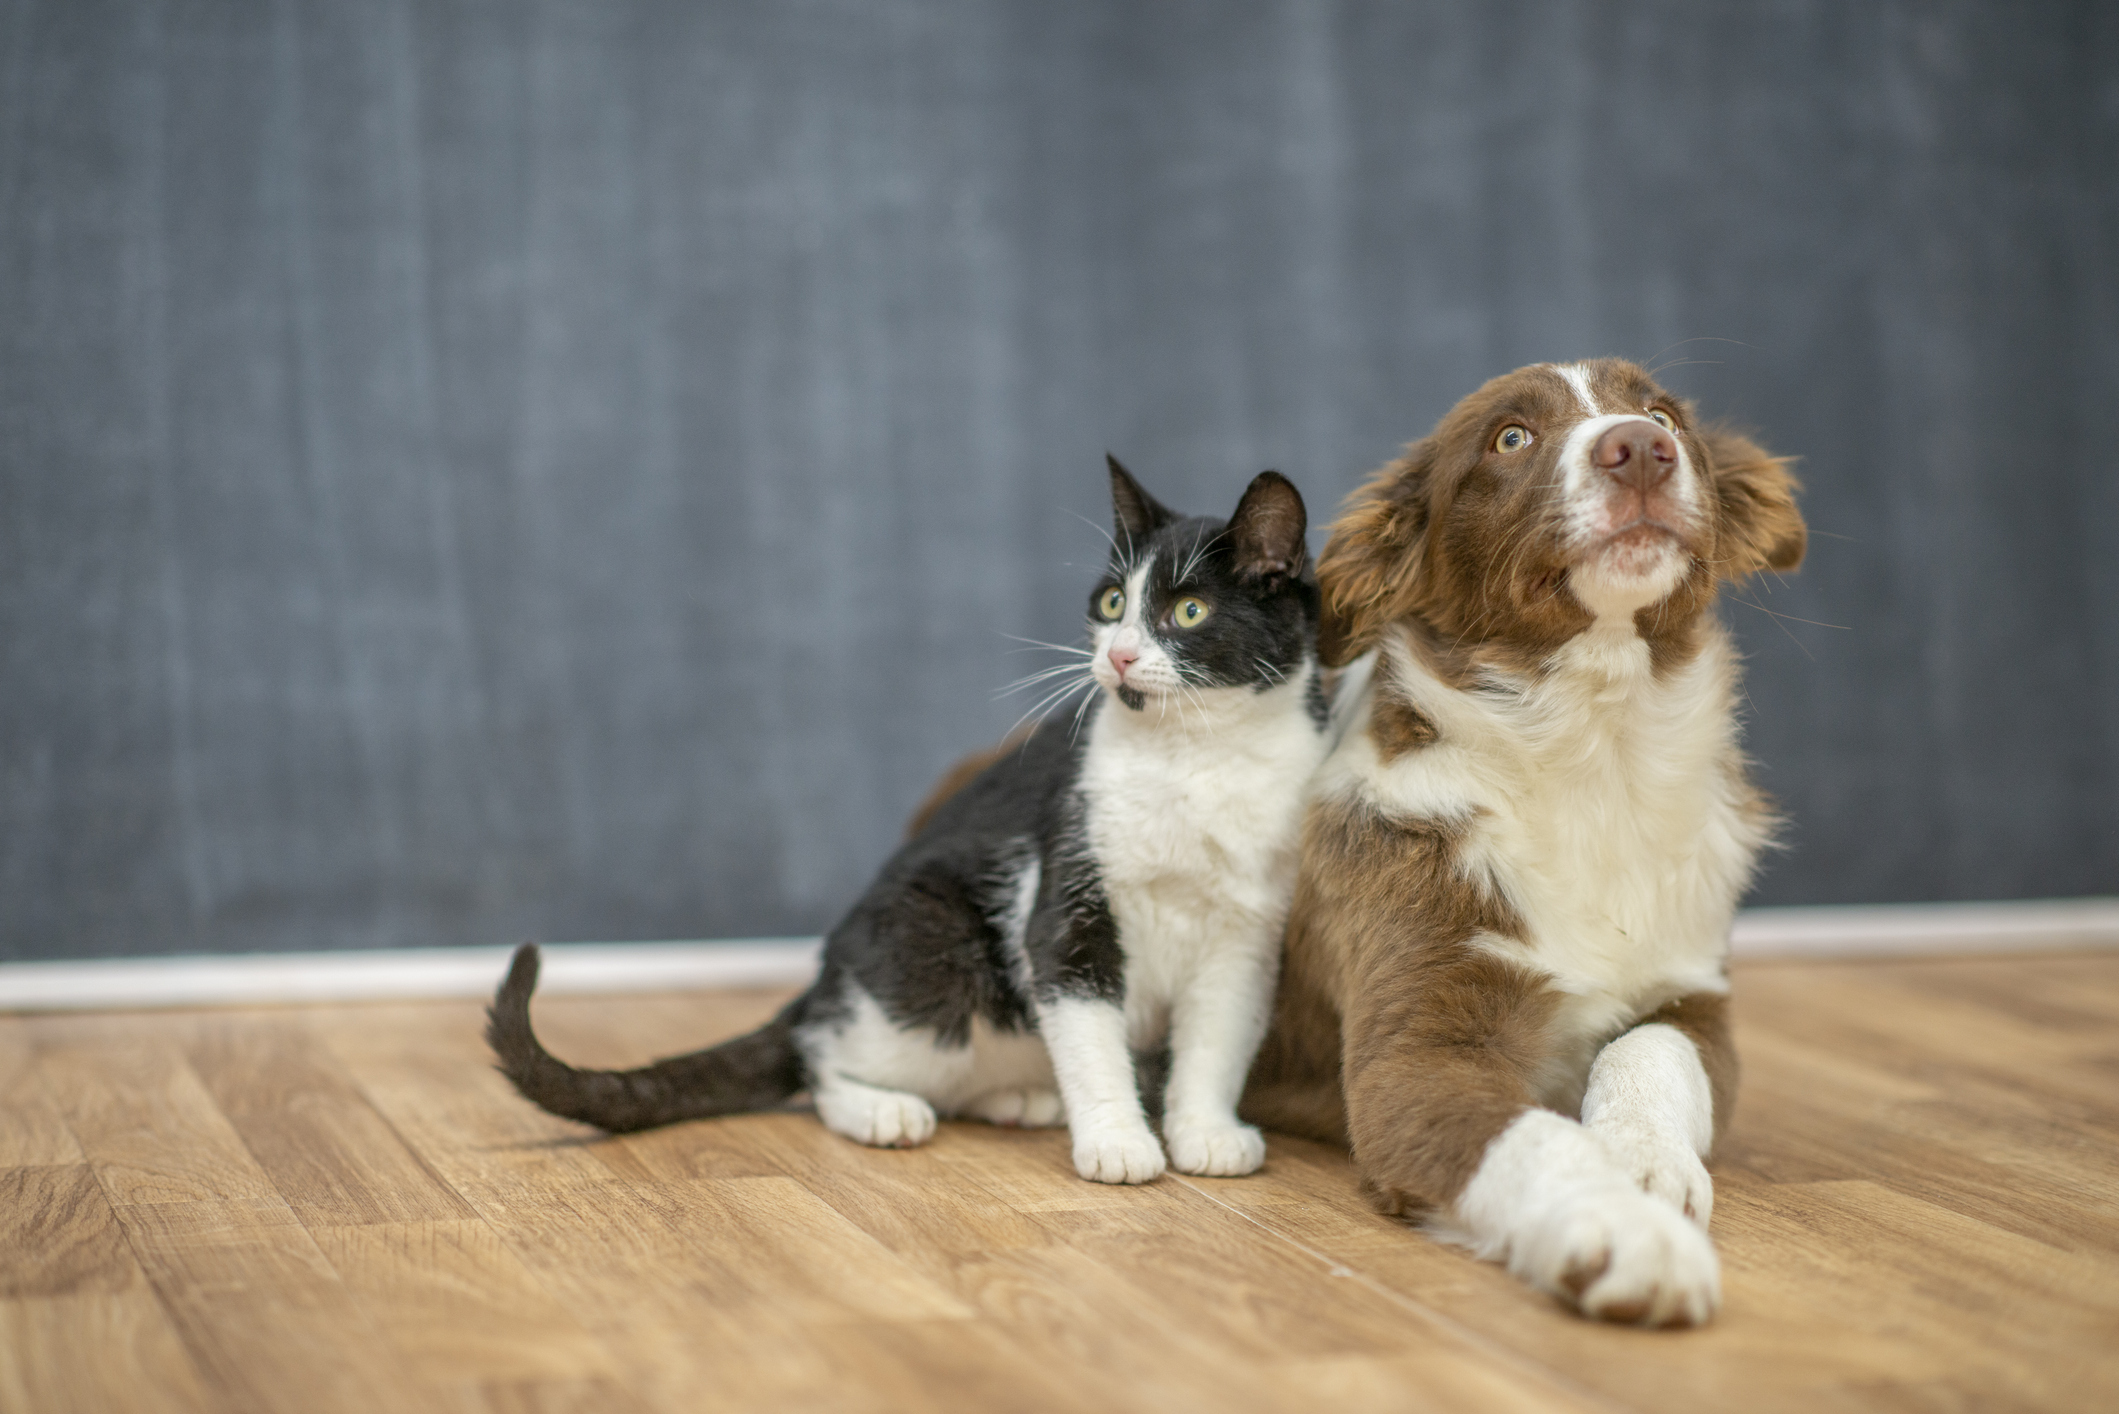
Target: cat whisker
<point x="1055" y="647"/>
<point x="1048" y="671"/>
<point x="1188" y="687"/>
<point x="1108" y="538"/>
<point x="1075" y="727"/>
<point x="1049" y="701"/>
<point x="1192" y="560"/>
<point x="1046" y="675"/>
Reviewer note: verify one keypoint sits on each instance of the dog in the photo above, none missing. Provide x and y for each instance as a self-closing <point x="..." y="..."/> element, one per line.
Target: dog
<point x="1505" y="983"/>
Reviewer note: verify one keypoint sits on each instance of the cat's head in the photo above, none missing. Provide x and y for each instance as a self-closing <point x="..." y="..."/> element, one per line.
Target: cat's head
<point x="1191" y="603"/>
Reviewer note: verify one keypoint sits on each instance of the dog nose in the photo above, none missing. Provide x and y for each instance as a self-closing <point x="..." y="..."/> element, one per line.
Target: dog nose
<point x="1637" y="452"/>
<point x="1122" y="659"/>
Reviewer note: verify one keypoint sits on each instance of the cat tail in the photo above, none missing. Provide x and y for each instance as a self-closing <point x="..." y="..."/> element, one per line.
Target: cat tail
<point x="752" y="1072"/>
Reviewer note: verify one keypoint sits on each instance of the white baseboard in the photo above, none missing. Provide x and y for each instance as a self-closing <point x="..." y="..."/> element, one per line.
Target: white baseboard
<point x="1927" y="929"/>
<point x="263" y="979"/>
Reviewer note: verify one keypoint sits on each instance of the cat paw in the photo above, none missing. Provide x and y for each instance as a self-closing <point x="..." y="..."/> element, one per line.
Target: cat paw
<point x="1125" y="1156"/>
<point x="887" y="1119"/>
<point x="1620" y="1255"/>
<point x="1029" y="1109"/>
<point x="1225" y="1148"/>
<point x="1663" y="1166"/>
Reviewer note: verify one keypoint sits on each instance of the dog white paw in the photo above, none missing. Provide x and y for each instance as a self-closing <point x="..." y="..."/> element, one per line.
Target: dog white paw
<point x="1029" y="1109"/>
<point x="1620" y="1255"/>
<point x="887" y="1119"/>
<point x="1118" y="1156"/>
<point x="1221" y="1148"/>
<point x="1662" y="1165"/>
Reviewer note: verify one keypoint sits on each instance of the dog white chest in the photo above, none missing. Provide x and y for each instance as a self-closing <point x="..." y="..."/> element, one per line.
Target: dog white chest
<point x="1605" y="804"/>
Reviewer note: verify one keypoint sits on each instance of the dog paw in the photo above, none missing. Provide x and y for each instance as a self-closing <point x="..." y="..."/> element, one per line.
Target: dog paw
<point x="1619" y="1255"/>
<point x="1029" y="1109"/>
<point x="887" y="1119"/>
<point x="1118" y="1156"/>
<point x="1220" y="1148"/>
<point x="1662" y="1166"/>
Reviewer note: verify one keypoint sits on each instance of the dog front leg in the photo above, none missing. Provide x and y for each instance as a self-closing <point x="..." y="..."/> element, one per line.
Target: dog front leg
<point x="1439" y="1104"/>
<point x="1654" y="1104"/>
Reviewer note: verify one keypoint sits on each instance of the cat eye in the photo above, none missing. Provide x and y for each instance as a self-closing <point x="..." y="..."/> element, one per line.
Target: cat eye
<point x="1112" y="604"/>
<point x="1663" y="419"/>
<point x="1189" y="613"/>
<point x="1513" y="438"/>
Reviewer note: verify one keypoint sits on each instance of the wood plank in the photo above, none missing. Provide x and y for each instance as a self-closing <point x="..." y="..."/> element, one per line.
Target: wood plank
<point x="58" y="1236"/>
<point x="327" y="1151"/>
<point x="1940" y="1115"/>
<point x="951" y="1365"/>
<point x="1032" y="1169"/>
<point x="142" y="1118"/>
<point x="1873" y="1016"/>
<point x="2024" y="1318"/>
<point x="916" y="1202"/>
<point x="264" y="1315"/>
<point x="599" y="1396"/>
<point x="95" y="1353"/>
<point x="33" y="1129"/>
<point x="428" y="1074"/>
<point x="459" y="1306"/>
<point x="769" y="1145"/>
<point x="771" y="1242"/>
<point x="623" y="1263"/>
<point x="80" y="1329"/>
<point x="1184" y="1298"/>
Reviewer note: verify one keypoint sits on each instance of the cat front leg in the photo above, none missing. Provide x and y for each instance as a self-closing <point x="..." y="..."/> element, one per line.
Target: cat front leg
<point x="1094" y="1066"/>
<point x="1216" y="1023"/>
<point x="1076" y="976"/>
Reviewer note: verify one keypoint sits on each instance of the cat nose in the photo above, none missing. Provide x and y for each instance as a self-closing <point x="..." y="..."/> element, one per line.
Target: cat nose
<point x="1122" y="659"/>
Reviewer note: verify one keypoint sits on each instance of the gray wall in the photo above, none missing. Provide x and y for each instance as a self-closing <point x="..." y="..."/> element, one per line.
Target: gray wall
<point x="472" y="471"/>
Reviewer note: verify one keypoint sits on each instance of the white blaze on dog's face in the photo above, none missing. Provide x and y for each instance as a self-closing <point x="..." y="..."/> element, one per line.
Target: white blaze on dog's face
<point x="1632" y="503"/>
<point x="1556" y="497"/>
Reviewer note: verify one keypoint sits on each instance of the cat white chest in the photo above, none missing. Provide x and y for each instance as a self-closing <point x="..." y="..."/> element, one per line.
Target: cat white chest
<point x="1195" y="826"/>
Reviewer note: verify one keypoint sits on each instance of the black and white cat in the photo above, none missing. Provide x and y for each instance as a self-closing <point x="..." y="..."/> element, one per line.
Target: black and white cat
<point x="1091" y="894"/>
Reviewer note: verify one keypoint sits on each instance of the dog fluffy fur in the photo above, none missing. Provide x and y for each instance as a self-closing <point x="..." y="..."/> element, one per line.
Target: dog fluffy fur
<point x="1505" y="982"/>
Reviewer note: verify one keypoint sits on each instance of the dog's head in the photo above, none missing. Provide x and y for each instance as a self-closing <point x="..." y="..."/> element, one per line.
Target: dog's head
<point x="1553" y="497"/>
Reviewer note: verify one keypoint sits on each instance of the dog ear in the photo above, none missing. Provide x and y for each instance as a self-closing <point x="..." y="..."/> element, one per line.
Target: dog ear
<point x="1136" y="514"/>
<point x="1266" y="531"/>
<point x="1760" y="527"/>
<point x="1369" y="572"/>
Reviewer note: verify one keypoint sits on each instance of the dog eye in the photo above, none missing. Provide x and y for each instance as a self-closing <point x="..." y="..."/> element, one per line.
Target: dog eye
<point x="1513" y="439"/>
<point x="1662" y="419"/>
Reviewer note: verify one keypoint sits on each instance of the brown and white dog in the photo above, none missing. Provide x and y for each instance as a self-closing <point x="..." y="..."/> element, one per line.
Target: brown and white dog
<point x="1522" y="860"/>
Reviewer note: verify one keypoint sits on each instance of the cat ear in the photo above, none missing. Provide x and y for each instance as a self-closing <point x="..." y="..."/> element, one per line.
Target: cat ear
<point x="1138" y="514"/>
<point x="1266" y="531"/>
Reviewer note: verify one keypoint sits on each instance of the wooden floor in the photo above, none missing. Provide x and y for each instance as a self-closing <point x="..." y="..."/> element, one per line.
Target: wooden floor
<point x="308" y="1209"/>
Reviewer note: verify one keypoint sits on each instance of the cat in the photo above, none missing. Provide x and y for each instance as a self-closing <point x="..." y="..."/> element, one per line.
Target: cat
<point x="1104" y="888"/>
